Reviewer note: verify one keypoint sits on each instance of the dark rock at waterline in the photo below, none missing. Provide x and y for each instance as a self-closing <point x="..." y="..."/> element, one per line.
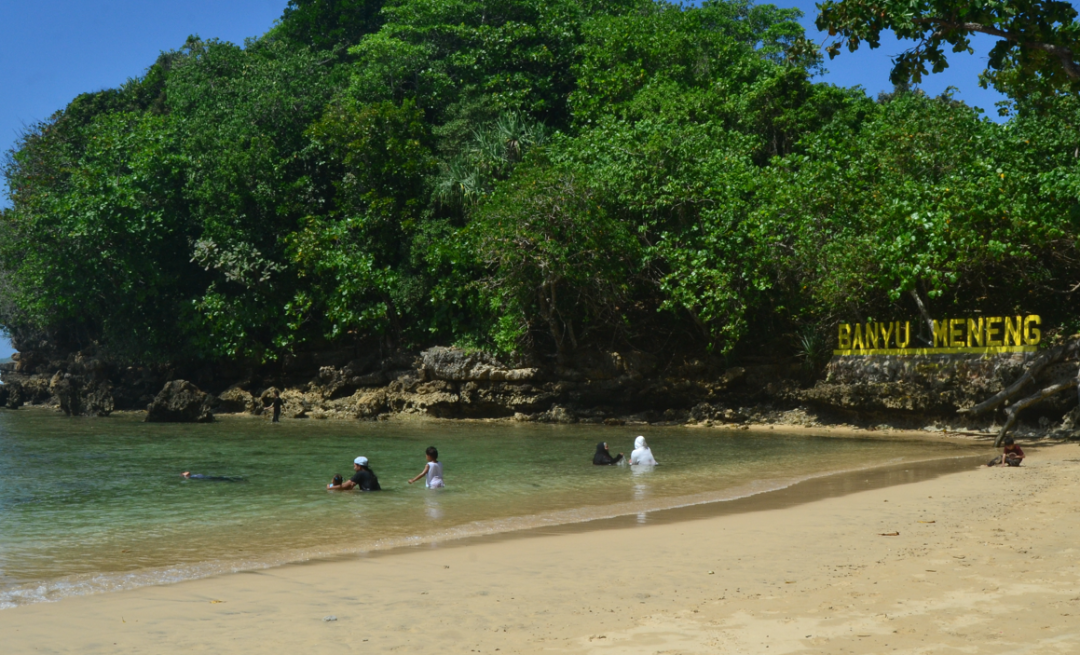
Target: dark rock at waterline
<point x="80" y="396"/>
<point x="11" y="395"/>
<point x="180" y="402"/>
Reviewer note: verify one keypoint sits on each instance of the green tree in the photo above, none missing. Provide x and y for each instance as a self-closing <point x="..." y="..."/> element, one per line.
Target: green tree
<point x="242" y="116"/>
<point x="553" y="260"/>
<point x="323" y="24"/>
<point x="106" y="253"/>
<point x="356" y="258"/>
<point x="923" y="197"/>
<point x="1037" y="51"/>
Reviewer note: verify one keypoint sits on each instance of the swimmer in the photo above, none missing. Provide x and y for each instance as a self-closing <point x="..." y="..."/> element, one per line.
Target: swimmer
<point x="188" y="475"/>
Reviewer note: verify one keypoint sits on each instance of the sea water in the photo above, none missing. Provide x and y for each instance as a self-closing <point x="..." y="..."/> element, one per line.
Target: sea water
<point x="91" y="505"/>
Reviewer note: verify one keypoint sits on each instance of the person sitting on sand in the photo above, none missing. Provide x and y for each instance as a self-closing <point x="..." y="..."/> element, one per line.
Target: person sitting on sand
<point x="188" y="475"/>
<point x="603" y="457"/>
<point x="642" y="455"/>
<point x="1012" y="456"/>
<point x="433" y="470"/>
<point x="364" y="479"/>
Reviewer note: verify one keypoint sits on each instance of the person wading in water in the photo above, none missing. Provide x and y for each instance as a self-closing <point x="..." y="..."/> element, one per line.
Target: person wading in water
<point x="276" y="403"/>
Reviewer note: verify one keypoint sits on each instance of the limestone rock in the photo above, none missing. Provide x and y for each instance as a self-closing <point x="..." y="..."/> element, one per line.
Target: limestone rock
<point x="235" y="400"/>
<point x="1071" y="421"/>
<point x="180" y="402"/>
<point x="96" y="399"/>
<point x="732" y="377"/>
<point x="369" y="404"/>
<point x="702" y="412"/>
<point x="296" y="404"/>
<point x="369" y="380"/>
<point x="557" y="414"/>
<point x="66" y="391"/>
<point x="11" y="395"/>
<point x="457" y="365"/>
<point x="1070" y="425"/>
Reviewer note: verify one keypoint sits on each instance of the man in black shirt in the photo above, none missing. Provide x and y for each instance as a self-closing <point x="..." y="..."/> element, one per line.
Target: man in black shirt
<point x="364" y="479"/>
<point x="276" y="402"/>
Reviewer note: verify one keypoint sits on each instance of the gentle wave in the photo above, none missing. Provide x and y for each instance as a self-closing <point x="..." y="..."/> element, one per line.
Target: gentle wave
<point x="80" y="585"/>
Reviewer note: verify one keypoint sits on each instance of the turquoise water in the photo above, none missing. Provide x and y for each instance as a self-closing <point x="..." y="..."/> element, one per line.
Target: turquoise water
<point x="90" y="505"/>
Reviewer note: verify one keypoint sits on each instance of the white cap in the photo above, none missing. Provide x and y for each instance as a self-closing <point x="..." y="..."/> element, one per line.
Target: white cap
<point x="362" y="461"/>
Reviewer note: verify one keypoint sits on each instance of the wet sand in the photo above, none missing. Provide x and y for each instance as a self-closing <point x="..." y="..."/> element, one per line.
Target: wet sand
<point x="985" y="561"/>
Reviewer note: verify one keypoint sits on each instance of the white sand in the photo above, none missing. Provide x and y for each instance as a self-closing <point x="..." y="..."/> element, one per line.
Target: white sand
<point x="987" y="561"/>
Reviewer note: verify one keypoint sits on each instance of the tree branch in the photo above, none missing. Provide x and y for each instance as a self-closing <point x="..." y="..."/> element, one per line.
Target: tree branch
<point x="1014" y="411"/>
<point x="1064" y="55"/>
<point x="1037" y="365"/>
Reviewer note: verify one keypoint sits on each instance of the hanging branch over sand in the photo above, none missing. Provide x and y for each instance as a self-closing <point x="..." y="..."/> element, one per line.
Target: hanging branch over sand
<point x="1051" y="356"/>
<point x="1014" y="411"/>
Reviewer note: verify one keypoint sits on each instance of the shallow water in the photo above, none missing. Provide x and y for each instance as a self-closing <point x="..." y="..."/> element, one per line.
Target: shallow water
<point x="92" y="505"/>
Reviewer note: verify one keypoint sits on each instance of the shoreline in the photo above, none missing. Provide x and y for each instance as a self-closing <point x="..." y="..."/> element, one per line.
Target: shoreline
<point x="793" y="578"/>
<point x="749" y="498"/>
<point x="831" y="429"/>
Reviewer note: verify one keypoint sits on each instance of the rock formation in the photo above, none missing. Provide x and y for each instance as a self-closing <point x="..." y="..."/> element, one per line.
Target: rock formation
<point x="180" y="402"/>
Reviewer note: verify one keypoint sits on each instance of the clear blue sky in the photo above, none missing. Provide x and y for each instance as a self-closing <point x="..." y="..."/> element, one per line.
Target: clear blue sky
<point x="52" y="50"/>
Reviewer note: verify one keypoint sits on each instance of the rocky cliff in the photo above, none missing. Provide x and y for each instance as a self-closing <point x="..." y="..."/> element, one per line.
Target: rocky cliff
<point x="613" y="388"/>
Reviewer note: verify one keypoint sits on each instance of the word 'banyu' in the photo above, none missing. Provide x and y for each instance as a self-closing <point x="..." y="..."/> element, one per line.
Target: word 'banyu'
<point x="982" y="334"/>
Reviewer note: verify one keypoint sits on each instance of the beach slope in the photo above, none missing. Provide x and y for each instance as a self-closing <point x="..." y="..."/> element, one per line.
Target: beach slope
<point x="982" y="561"/>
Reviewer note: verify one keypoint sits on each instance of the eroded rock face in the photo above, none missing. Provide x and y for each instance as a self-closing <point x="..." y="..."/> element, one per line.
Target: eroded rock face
<point x="235" y="400"/>
<point x="81" y="396"/>
<point x="556" y="414"/>
<point x="926" y="385"/>
<point x="457" y="365"/>
<point x="97" y="399"/>
<point x="11" y="395"/>
<point x="180" y="402"/>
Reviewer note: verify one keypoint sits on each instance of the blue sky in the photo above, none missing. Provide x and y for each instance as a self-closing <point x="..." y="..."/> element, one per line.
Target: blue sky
<point x="52" y="50"/>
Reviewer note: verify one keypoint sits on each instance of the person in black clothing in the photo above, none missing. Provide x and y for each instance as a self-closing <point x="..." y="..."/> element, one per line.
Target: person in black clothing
<point x="188" y="475"/>
<point x="364" y="479"/>
<point x="603" y="457"/>
<point x="276" y="402"/>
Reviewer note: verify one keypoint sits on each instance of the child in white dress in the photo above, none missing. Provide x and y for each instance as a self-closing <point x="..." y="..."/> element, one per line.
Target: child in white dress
<point x="432" y="471"/>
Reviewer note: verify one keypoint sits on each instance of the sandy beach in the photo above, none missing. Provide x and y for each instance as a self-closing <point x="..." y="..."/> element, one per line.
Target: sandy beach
<point x="979" y="561"/>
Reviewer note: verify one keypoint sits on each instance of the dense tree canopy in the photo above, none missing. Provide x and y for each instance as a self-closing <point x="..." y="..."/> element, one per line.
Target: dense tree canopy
<point x="536" y="177"/>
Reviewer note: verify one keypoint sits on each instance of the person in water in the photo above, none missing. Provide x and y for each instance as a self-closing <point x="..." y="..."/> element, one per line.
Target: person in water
<point x="276" y="402"/>
<point x="364" y="479"/>
<point x="1012" y="455"/>
<point x="432" y="470"/>
<point x="603" y="457"/>
<point x="188" y="475"/>
<point x="642" y="455"/>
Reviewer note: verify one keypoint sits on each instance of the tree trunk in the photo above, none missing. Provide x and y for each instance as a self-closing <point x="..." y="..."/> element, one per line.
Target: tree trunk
<point x="925" y="314"/>
<point x="547" y="310"/>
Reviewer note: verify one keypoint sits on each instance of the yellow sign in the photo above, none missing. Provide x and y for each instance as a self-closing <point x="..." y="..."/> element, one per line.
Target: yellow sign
<point x="982" y="335"/>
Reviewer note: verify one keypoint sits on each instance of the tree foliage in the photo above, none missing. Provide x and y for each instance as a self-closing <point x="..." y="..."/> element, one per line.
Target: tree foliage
<point x="1037" y="52"/>
<point x="540" y="178"/>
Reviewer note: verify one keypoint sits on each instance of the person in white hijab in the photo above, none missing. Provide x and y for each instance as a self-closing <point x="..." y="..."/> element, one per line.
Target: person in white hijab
<point x="642" y="454"/>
